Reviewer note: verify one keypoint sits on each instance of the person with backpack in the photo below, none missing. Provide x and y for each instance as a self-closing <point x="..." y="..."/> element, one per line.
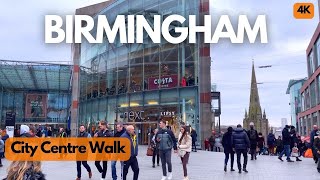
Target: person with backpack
<point x="227" y="146"/>
<point x="167" y="141"/>
<point x="253" y="137"/>
<point x="83" y="134"/>
<point x="271" y="141"/>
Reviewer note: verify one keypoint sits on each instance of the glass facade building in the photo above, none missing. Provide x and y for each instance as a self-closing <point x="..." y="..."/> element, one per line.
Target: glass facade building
<point x="36" y="93"/>
<point x="141" y="83"/>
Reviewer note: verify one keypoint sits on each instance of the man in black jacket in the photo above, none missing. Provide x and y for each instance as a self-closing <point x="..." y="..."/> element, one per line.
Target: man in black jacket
<point x="253" y="137"/>
<point x="286" y="144"/>
<point x="104" y="132"/>
<point x="227" y="146"/>
<point x="241" y="145"/>
<point x="118" y="133"/>
<point x="83" y="134"/>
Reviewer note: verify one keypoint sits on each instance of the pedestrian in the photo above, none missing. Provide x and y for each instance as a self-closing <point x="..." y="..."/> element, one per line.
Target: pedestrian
<point x="316" y="147"/>
<point x="62" y="133"/>
<point x="253" y="137"/>
<point x="312" y="135"/>
<point x="25" y="131"/>
<point x="217" y="143"/>
<point x="206" y="145"/>
<point x="241" y="145"/>
<point x="133" y="161"/>
<point x="184" y="149"/>
<point x="294" y="142"/>
<point x="271" y="141"/>
<point x="118" y="133"/>
<point x="194" y="139"/>
<point x="1" y="149"/>
<point x="4" y="137"/>
<point x="227" y="146"/>
<point x="279" y="145"/>
<point x="295" y="152"/>
<point x="104" y="132"/>
<point x="167" y="141"/>
<point x="49" y="132"/>
<point x="211" y="141"/>
<point x="25" y="170"/>
<point x="286" y="144"/>
<point x="155" y="147"/>
<point x="83" y="134"/>
<point x="261" y="144"/>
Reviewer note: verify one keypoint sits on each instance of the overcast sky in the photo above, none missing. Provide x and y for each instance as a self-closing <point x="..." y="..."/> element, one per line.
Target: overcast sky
<point x="22" y="38"/>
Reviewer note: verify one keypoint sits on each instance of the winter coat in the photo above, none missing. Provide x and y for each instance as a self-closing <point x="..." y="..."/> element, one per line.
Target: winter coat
<point x="254" y="139"/>
<point x="271" y="140"/>
<point x="261" y="142"/>
<point x="194" y="136"/>
<point x="227" y="142"/>
<point x="294" y="138"/>
<point x="30" y="174"/>
<point x="316" y="146"/>
<point x="105" y="133"/>
<point x="211" y="140"/>
<point x="240" y="139"/>
<point x="167" y="140"/>
<point x="185" y="144"/>
<point x="134" y="148"/>
<point x="217" y="142"/>
<point x="312" y="134"/>
<point x="286" y="137"/>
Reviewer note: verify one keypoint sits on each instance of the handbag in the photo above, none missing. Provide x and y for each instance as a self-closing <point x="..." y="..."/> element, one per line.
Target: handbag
<point x="181" y="152"/>
<point x="150" y="151"/>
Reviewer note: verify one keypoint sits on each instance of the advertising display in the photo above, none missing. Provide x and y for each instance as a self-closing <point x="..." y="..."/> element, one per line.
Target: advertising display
<point x="36" y="106"/>
<point x="169" y="81"/>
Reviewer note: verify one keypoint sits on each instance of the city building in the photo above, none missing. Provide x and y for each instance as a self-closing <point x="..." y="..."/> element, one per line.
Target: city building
<point x="255" y="115"/>
<point x="310" y="91"/>
<point x="293" y="89"/>
<point x="142" y="83"/>
<point x="284" y="122"/>
<point x="34" y="93"/>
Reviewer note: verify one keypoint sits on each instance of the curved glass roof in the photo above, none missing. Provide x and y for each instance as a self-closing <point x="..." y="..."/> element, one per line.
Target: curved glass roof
<point x="19" y="75"/>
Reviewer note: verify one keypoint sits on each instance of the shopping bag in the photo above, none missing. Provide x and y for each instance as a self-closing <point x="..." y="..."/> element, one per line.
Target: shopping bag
<point x="308" y="153"/>
<point x="150" y="151"/>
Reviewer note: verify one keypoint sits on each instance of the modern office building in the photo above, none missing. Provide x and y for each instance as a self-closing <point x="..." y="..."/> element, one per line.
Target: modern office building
<point x="34" y="93"/>
<point x="293" y="89"/>
<point x="142" y="83"/>
<point x="310" y="91"/>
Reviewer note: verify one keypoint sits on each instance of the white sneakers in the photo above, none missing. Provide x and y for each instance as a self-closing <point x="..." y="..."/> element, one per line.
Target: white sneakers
<point x="186" y="178"/>
<point x="164" y="178"/>
<point x="102" y="179"/>
<point x="169" y="175"/>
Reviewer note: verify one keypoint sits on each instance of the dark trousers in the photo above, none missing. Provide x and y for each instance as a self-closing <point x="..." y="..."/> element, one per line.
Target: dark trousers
<point x="194" y="146"/>
<point x="227" y="154"/>
<point x="102" y="169"/>
<point x="133" y="162"/>
<point x="155" y="153"/>
<point x="315" y="154"/>
<point x="184" y="161"/>
<point x="165" y="157"/>
<point x="211" y="147"/>
<point x="254" y="153"/>
<point x="286" y="150"/>
<point x="0" y="161"/>
<point x="245" y="156"/>
<point x="218" y="149"/>
<point x="85" y="164"/>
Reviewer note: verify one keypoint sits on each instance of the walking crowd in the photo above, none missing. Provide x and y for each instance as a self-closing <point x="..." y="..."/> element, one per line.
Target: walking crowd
<point x="236" y="141"/>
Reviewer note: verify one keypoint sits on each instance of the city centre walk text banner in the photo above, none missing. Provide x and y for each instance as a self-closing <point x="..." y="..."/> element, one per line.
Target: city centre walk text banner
<point x="36" y="106"/>
<point x="67" y="149"/>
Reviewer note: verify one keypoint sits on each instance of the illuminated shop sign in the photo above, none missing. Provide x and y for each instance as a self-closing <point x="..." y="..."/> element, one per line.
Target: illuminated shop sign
<point x="163" y="82"/>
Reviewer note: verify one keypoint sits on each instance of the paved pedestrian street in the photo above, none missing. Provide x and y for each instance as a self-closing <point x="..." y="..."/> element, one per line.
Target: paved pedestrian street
<point x="202" y="165"/>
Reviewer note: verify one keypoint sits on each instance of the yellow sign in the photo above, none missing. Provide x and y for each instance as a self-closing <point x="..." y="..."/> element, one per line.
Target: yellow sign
<point x="67" y="149"/>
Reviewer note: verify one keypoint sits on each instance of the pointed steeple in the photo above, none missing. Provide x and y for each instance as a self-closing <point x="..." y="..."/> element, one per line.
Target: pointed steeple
<point x="254" y="107"/>
<point x="264" y="114"/>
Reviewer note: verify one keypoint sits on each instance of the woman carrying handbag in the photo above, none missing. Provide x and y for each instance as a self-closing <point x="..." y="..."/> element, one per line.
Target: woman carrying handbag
<point x="155" y="148"/>
<point x="184" y="149"/>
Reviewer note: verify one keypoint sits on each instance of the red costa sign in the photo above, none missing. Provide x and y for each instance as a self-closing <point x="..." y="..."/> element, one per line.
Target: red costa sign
<point x="164" y="82"/>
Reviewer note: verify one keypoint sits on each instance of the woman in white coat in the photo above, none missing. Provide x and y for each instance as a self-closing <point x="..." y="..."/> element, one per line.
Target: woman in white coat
<point x="184" y="147"/>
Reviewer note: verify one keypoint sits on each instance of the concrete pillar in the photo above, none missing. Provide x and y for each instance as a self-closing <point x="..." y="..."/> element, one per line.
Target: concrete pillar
<point x="75" y="90"/>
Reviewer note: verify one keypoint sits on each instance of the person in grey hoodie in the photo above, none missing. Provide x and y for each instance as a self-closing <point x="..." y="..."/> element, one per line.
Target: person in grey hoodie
<point x="241" y="145"/>
<point x="167" y="141"/>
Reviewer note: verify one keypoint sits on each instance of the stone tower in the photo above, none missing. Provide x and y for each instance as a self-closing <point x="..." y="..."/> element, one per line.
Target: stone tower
<point x="255" y="114"/>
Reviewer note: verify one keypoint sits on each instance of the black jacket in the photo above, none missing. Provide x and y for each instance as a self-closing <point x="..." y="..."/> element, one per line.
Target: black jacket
<point x="25" y="135"/>
<point x="227" y="142"/>
<point x="118" y="134"/>
<point x="194" y="136"/>
<point x="105" y="133"/>
<point x="30" y="174"/>
<point x="240" y="139"/>
<point x="286" y="139"/>
<point x="253" y="140"/>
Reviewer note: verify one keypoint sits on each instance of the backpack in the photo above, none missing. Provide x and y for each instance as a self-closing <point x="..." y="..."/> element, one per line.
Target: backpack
<point x="253" y="135"/>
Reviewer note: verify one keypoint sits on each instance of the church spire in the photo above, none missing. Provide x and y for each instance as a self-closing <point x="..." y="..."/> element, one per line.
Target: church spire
<point x="254" y="107"/>
<point x="246" y="114"/>
<point x="264" y="114"/>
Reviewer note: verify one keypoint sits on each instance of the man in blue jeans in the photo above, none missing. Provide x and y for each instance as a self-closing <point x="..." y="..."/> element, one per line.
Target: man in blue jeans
<point x="119" y="132"/>
<point x="286" y="136"/>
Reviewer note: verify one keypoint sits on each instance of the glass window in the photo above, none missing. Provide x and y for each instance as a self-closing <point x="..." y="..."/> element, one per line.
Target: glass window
<point x="151" y="68"/>
<point x="307" y="98"/>
<point x="318" y="51"/>
<point x="311" y="63"/>
<point x="303" y="108"/>
<point x="313" y="94"/>
<point x="111" y="110"/>
<point x="169" y="67"/>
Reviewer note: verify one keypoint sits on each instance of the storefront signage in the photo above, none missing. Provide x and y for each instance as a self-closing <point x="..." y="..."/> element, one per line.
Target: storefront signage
<point x="134" y="115"/>
<point x="167" y="113"/>
<point x="163" y="82"/>
<point x="10" y="118"/>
